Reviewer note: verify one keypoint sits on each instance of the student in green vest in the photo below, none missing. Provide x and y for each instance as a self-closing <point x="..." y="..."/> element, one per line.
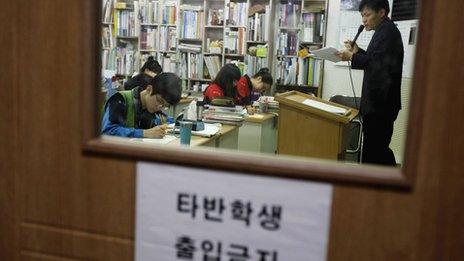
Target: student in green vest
<point x="131" y="113"/>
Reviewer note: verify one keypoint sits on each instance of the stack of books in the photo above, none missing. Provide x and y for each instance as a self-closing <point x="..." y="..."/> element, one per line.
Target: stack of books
<point x="225" y="115"/>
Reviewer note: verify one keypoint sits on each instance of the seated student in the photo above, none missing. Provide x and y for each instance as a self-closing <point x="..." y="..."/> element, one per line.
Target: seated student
<point x="132" y="113"/>
<point x="149" y="70"/>
<point x="223" y="84"/>
<point x="260" y="83"/>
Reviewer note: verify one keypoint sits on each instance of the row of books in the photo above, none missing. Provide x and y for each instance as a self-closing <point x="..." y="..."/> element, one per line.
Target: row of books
<point x="213" y="64"/>
<point x="286" y="43"/>
<point x="226" y="115"/>
<point x="169" y="13"/>
<point x="258" y="26"/>
<point x="168" y="38"/>
<point x="107" y="11"/>
<point x="191" y="65"/>
<point x="120" y="60"/>
<point x="234" y="41"/>
<point x="301" y="71"/>
<point x="149" y="11"/>
<point x="149" y="38"/>
<point x="236" y="13"/>
<point x="255" y="63"/>
<point x="184" y="47"/>
<point x="125" y="23"/>
<point x="286" y="69"/>
<point x="191" y="26"/>
<point x="313" y="27"/>
<point x="168" y="62"/>
<point x="289" y="14"/>
<point x="107" y="37"/>
<point x="309" y="71"/>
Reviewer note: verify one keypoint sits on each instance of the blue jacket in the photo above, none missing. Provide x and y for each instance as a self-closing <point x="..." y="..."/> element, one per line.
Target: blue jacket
<point x="119" y="119"/>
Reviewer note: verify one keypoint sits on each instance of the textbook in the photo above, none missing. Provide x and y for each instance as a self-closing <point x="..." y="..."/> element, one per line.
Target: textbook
<point x="327" y="53"/>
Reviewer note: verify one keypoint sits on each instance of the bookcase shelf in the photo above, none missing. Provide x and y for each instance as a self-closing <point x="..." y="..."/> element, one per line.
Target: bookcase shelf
<point x="299" y="24"/>
<point x="163" y="28"/>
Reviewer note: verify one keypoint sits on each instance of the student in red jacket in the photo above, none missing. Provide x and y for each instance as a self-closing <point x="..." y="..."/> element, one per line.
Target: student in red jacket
<point x="223" y="84"/>
<point x="259" y="83"/>
<point x="240" y="90"/>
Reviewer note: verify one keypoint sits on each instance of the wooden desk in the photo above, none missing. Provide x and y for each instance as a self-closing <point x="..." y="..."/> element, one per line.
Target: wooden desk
<point x="258" y="133"/>
<point x="227" y="138"/>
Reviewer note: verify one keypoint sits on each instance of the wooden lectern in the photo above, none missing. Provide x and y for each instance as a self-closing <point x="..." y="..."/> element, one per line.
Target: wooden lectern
<point x="312" y="127"/>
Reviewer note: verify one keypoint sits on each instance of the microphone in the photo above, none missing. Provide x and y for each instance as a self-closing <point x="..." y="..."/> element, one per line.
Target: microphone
<point x="360" y="29"/>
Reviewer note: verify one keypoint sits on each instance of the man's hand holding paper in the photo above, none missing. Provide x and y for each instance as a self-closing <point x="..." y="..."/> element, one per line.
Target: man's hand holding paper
<point x="347" y="53"/>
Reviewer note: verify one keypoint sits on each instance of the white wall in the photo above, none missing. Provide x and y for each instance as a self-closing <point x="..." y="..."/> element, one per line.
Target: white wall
<point x="337" y="81"/>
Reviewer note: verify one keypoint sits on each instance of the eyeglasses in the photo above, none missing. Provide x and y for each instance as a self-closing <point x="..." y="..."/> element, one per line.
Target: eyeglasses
<point x="161" y="102"/>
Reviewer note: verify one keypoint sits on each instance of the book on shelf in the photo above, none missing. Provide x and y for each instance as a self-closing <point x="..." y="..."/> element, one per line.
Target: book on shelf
<point x="107" y="38"/>
<point x="192" y="20"/>
<point x="169" y="13"/>
<point x="168" y="61"/>
<point x="258" y="25"/>
<point x="286" y="43"/>
<point x="149" y="38"/>
<point x="254" y="64"/>
<point x="184" y="47"/>
<point x="289" y="14"/>
<point x="235" y="13"/>
<point x="313" y="27"/>
<point x="286" y="70"/>
<point x="126" y="23"/>
<point x="107" y="12"/>
<point x="234" y="41"/>
<point x="213" y="64"/>
<point x="191" y="65"/>
<point x="149" y="11"/>
<point x="168" y="38"/>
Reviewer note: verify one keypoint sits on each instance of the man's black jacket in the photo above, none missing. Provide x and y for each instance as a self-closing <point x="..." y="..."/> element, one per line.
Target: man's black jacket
<point x="382" y="63"/>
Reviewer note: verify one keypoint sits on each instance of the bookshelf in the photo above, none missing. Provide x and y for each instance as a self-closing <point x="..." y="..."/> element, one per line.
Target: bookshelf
<point x="192" y="38"/>
<point x="300" y="26"/>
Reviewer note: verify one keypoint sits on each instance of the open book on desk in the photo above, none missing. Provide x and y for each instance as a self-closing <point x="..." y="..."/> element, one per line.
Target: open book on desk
<point x="327" y="53"/>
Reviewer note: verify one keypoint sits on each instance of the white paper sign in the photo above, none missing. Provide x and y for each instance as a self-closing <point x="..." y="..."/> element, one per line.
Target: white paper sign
<point x="186" y="213"/>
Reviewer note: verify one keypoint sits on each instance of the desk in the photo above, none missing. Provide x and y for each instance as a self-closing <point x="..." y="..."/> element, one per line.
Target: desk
<point x="259" y="133"/>
<point x="227" y="138"/>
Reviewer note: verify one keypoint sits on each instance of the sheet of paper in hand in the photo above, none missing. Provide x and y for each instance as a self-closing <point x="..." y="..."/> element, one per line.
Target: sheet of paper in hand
<point x="327" y="53"/>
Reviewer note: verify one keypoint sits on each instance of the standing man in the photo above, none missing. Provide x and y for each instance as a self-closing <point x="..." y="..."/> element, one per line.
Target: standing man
<point x="382" y="63"/>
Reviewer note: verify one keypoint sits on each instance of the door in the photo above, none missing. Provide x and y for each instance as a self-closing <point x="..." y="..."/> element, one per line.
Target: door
<point x="59" y="201"/>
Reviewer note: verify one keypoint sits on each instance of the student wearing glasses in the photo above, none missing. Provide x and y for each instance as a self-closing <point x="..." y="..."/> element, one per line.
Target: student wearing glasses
<point x="133" y="113"/>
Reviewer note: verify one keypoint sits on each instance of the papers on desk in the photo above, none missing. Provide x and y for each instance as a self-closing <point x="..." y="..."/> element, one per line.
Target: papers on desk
<point x="210" y="130"/>
<point x="325" y="107"/>
<point x="327" y="53"/>
<point x="165" y="140"/>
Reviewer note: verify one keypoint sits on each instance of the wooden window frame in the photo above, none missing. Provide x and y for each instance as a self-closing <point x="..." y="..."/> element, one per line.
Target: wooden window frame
<point x="282" y="166"/>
